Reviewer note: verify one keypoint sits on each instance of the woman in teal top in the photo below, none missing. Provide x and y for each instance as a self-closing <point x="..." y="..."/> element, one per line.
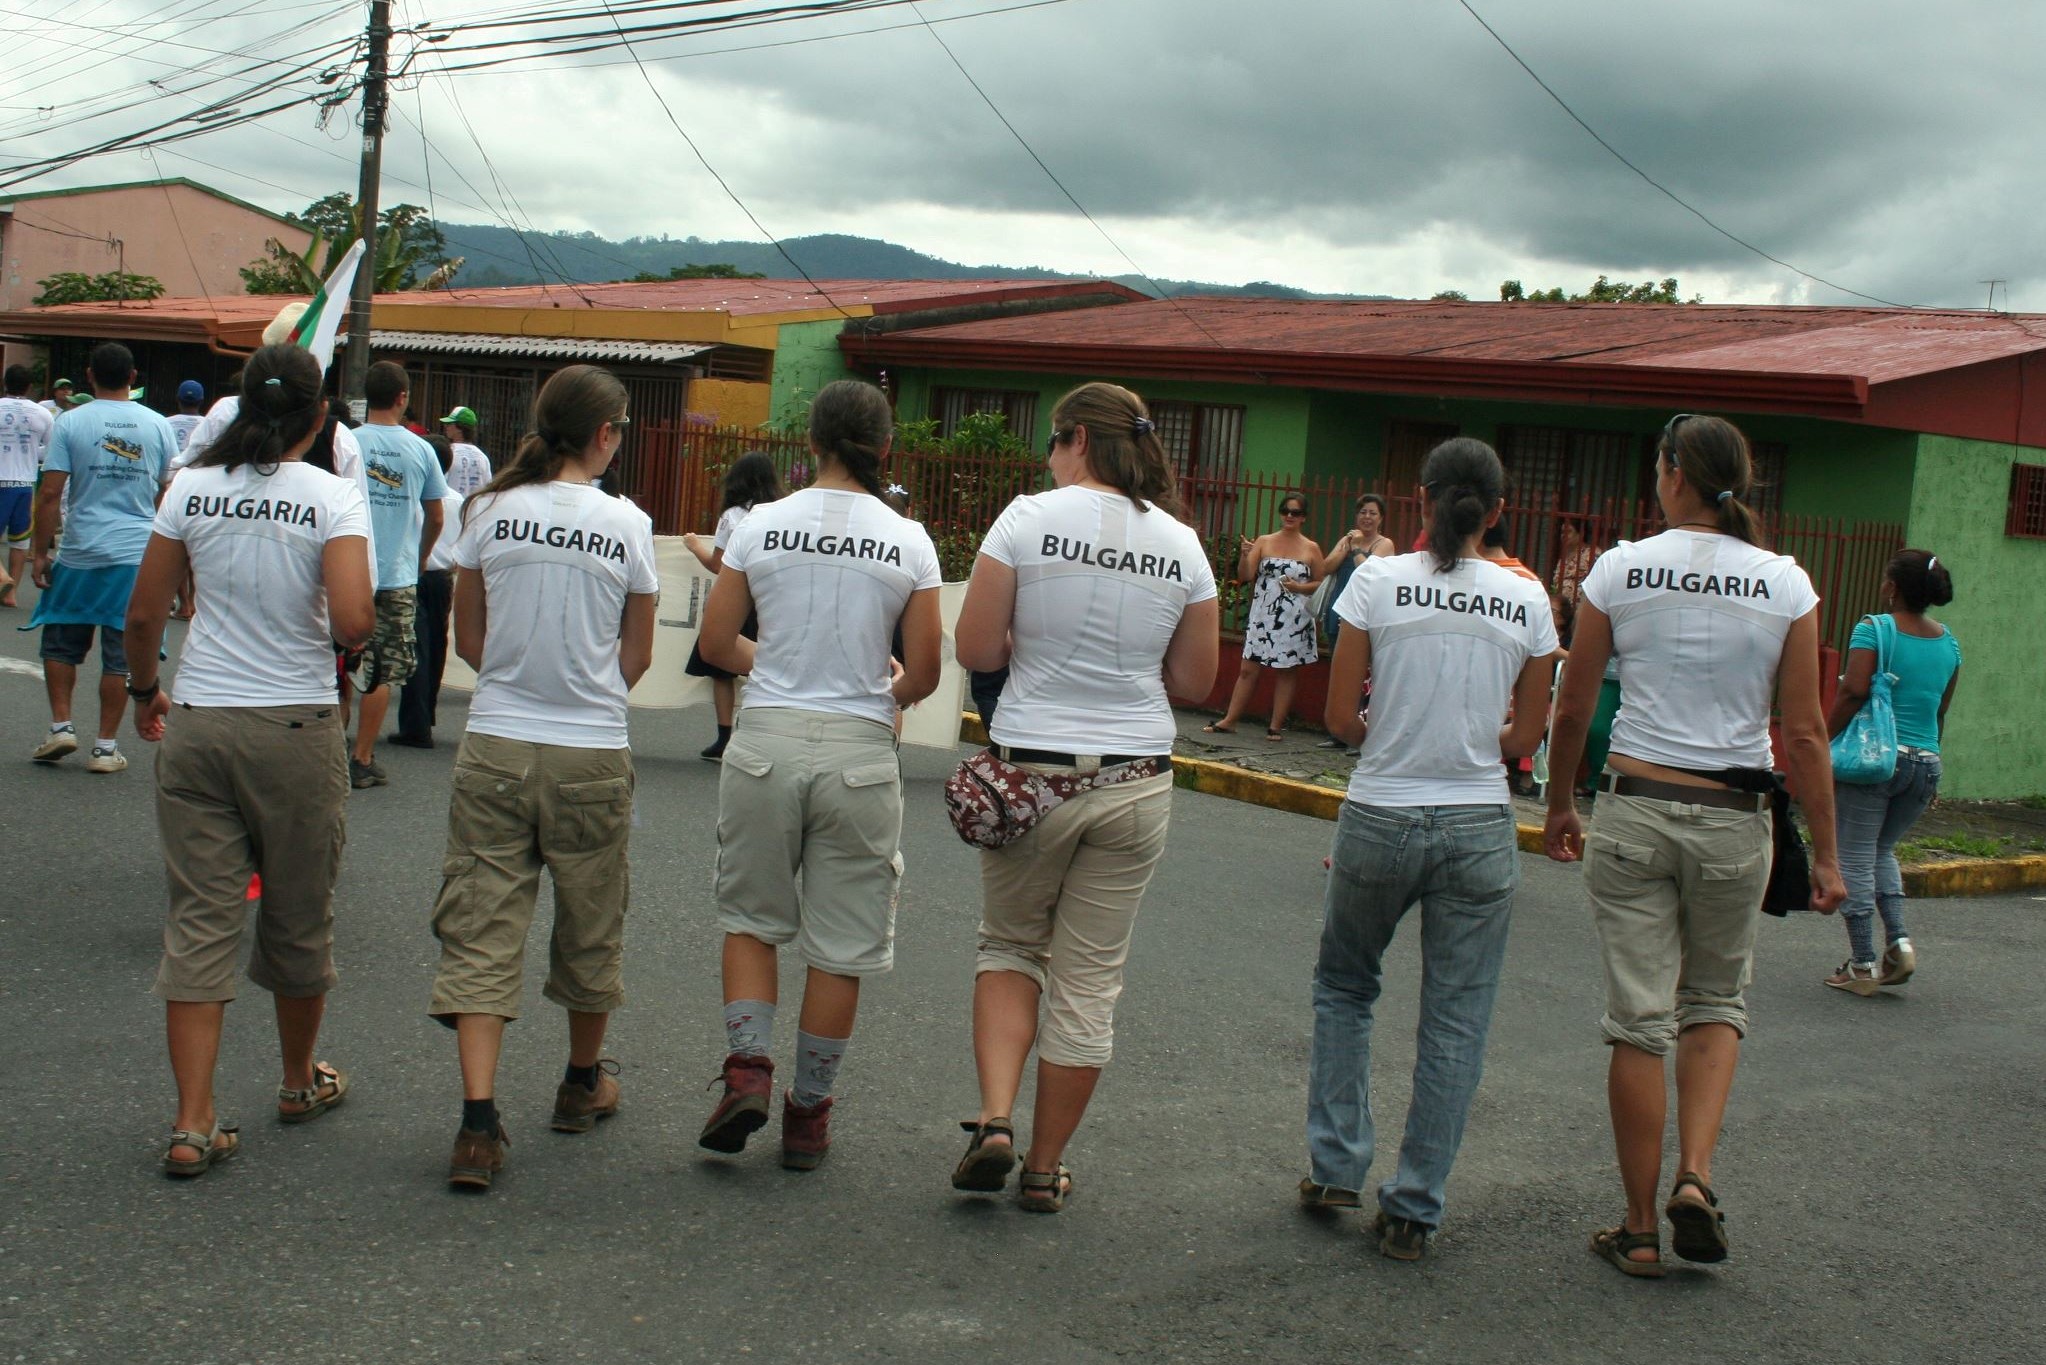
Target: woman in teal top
<point x="1870" y="819"/>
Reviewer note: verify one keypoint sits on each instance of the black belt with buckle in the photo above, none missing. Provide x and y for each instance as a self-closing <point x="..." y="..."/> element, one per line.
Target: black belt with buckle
<point x="1723" y="797"/>
<point x="1002" y="751"/>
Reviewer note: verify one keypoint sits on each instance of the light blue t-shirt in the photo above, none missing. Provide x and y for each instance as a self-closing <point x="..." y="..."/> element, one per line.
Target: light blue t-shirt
<point x="1923" y="669"/>
<point x="403" y="475"/>
<point x="117" y="455"/>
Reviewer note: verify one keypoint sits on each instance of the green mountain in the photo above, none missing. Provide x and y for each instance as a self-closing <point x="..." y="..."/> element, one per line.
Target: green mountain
<point x="498" y="256"/>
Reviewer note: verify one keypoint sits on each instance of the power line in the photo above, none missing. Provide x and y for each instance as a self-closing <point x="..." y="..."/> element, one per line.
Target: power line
<point x="184" y="241"/>
<point x="1661" y="188"/>
<point x="731" y="194"/>
<point x="1053" y="177"/>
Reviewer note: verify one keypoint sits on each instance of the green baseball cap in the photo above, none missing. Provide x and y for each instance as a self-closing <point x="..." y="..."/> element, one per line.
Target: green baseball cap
<point x="463" y="417"/>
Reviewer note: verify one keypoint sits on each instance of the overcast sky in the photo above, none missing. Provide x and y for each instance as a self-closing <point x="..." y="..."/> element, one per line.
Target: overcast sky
<point x="1366" y="146"/>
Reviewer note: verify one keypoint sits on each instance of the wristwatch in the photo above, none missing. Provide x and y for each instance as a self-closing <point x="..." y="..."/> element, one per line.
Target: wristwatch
<point x="145" y="693"/>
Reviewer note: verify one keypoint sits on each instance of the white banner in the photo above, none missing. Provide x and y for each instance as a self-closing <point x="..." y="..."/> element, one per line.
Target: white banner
<point x="685" y="587"/>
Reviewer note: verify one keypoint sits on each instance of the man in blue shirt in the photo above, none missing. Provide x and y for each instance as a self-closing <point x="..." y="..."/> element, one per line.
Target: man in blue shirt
<point x="112" y="456"/>
<point x="405" y="491"/>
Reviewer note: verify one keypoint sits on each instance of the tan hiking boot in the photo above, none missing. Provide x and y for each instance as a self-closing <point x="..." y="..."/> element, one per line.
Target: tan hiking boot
<point x="478" y="1157"/>
<point x="576" y="1109"/>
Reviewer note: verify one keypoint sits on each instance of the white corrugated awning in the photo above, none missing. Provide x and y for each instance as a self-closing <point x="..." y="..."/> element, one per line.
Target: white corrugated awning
<point x="549" y="348"/>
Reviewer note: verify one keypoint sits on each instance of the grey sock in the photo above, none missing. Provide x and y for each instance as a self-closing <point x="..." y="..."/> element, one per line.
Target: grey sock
<point x="749" y="1028"/>
<point x="817" y="1062"/>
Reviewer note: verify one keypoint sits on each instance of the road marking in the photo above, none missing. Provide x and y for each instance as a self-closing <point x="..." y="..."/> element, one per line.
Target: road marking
<point x="28" y="668"/>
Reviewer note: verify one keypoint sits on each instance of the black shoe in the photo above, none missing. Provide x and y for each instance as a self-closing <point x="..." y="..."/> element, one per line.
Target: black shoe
<point x="363" y="775"/>
<point x="716" y="752"/>
<point x="412" y="741"/>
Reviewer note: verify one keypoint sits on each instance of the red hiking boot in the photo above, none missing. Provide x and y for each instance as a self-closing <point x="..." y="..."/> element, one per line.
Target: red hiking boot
<point x="805" y="1133"/>
<point x="749" y="1087"/>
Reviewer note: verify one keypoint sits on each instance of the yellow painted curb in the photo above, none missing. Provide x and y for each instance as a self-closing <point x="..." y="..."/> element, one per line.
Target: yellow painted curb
<point x="1976" y="877"/>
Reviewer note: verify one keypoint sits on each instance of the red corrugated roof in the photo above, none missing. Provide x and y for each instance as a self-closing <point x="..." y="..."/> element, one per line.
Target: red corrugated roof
<point x="744" y="298"/>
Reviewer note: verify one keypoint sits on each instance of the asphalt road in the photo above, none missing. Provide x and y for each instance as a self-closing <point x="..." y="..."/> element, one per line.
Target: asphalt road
<point x="1880" y="1168"/>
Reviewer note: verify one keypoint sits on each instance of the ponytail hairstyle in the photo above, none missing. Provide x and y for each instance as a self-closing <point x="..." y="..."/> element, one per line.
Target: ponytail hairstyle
<point x="1123" y="449"/>
<point x="280" y="405"/>
<point x="1715" y="460"/>
<point x="572" y="406"/>
<point x="1920" y="579"/>
<point x="850" y="421"/>
<point x="1464" y="478"/>
<point x="753" y="480"/>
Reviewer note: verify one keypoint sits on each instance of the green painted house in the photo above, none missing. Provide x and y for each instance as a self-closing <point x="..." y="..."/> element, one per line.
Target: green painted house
<point x="1874" y="426"/>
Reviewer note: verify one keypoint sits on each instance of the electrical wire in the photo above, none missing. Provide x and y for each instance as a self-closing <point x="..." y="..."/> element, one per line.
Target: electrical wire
<point x="731" y="194"/>
<point x="1051" y="175"/>
<point x="1658" y="186"/>
<point x="171" y="203"/>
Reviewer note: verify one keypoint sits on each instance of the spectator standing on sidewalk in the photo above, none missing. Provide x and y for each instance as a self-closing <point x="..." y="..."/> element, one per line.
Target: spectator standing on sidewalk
<point x="471" y="467"/>
<point x="25" y="428"/>
<point x="405" y="492"/>
<point x="1709" y="628"/>
<point x="252" y="775"/>
<point x="419" y="699"/>
<point x="812" y="787"/>
<point x="554" y="608"/>
<point x="1872" y="818"/>
<point x="1282" y="569"/>
<point x="1427" y="820"/>
<point x="1094" y="646"/>
<point x="105" y="473"/>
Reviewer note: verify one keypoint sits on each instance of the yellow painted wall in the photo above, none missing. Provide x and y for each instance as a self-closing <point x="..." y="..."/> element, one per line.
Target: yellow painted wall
<point x="734" y="402"/>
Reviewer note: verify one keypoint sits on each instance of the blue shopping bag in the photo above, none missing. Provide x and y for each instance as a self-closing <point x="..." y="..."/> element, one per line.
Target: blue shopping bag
<point x="1865" y="752"/>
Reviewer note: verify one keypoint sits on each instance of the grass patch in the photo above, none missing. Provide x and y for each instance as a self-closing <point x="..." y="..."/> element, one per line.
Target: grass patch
<point x="1961" y="845"/>
<point x="2033" y="802"/>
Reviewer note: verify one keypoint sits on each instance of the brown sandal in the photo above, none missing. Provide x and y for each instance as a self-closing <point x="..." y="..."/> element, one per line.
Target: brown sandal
<point x="985" y="1169"/>
<point x="1698" y="1231"/>
<point x="1044" y="1191"/>
<point x="213" y="1150"/>
<point x="325" y="1078"/>
<point x="1615" y="1244"/>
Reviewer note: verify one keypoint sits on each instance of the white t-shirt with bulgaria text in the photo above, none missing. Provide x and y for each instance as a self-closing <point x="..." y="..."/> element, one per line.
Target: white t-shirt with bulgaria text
<point x="24" y="438"/>
<point x="830" y="572"/>
<point x="1699" y="621"/>
<point x="558" y="561"/>
<point x="1446" y="649"/>
<point x="256" y="543"/>
<point x="1100" y="588"/>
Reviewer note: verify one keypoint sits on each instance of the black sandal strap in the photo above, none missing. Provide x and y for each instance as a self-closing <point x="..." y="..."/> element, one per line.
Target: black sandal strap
<point x="1691" y="1178"/>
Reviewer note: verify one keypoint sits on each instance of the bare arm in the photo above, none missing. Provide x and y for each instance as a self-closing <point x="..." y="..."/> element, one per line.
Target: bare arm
<point x="1341" y="552"/>
<point x="1590" y="649"/>
<point x="712" y="559"/>
<point x="1316" y="571"/>
<point x="981" y="636"/>
<point x="1522" y="735"/>
<point x="720" y="643"/>
<point x="636" y="637"/>
<point x="1346" y="675"/>
<point x="156" y="582"/>
<point x="1808" y="755"/>
<point x="49" y="519"/>
<point x="1248" y="553"/>
<point x="1854" y="688"/>
<point x="1947" y="699"/>
<point x="923" y="634"/>
<point x="472" y="617"/>
<point x="351" y="602"/>
<point x="1194" y="652"/>
<point x="436" y="518"/>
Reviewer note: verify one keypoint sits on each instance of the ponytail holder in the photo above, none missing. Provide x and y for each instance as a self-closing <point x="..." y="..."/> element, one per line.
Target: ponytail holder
<point x="1931" y="563"/>
<point x="273" y="382"/>
<point x="1143" y="426"/>
<point x="1725" y="497"/>
<point x="897" y="490"/>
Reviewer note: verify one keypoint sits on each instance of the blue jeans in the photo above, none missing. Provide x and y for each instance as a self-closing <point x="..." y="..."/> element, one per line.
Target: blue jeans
<point x="1870" y="820"/>
<point x="1461" y="863"/>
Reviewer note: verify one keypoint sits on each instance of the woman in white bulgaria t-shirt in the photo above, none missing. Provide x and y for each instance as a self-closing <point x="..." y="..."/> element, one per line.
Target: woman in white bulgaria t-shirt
<point x="1449" y="641"/>
<point x="1708" y="628"/>
<point x="811" y="793"/>
<point x="253" y="775"/>
<point x="555" y="587"/>
<point x="1101" y="603"/>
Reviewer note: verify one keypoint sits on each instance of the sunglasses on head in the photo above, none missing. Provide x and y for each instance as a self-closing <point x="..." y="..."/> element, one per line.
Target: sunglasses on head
<point x="1666" y="441"/>
<point x="1057" y="439"/>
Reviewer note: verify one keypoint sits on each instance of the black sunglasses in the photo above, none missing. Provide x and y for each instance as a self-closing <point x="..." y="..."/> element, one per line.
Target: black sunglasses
<point x="1666" y="441"/>
<point x="1292" y="511"/>
<point x="1057" y="439"/>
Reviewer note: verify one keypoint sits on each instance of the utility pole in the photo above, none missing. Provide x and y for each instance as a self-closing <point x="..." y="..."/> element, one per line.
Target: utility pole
<point x="375" y="101"/>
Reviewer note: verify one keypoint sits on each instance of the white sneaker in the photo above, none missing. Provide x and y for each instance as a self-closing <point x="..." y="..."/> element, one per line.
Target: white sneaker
<point x="55" y="745"/>
<point x="1899" y="961"/>
<point x="113" y="762"/>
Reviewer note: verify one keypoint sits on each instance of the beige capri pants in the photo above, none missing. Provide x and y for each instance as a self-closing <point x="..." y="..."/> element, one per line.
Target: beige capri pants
<point x="1676" y="893"/>
<point x="1060" y="904"/>
<point x="809" y="833"/>
<point x="518" y="807"/>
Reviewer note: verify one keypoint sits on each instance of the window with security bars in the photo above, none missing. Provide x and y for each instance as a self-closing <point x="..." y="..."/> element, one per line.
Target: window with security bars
<point x="1205" y="440"/>
<point x="2026" y="517"/>
<point x="1406" y="446"/>
<point x="1018" y="407"/>
<point x="1561" y="469"/>
<point x="1769" y="457"/>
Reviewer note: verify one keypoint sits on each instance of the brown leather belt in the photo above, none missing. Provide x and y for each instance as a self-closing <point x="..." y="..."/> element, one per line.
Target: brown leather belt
<point x="1724" y="798"/>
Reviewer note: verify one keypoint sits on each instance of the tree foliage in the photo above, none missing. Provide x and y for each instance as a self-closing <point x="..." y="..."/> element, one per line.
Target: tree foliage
<point x="1603" y="290"/>
<point x="71" y="286"/>
<point x="411" y="253"/>
<point x="717" y="270"/>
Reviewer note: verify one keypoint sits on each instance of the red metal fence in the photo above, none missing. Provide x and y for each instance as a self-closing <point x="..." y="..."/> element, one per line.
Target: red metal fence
<point x="675" y="473"/>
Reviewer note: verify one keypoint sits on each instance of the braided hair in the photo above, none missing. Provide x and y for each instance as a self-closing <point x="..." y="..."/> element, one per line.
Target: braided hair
<point x="850" y="421"/>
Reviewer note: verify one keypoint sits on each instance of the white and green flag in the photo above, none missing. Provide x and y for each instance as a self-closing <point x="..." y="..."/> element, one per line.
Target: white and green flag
<point x="322" y="318"/>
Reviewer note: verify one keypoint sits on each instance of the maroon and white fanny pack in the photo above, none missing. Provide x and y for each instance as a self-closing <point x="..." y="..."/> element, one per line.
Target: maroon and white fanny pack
<point x="995" y="802"/>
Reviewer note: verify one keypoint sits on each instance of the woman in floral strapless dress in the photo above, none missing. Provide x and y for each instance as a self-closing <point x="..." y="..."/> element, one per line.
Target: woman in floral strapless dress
<point x="1279" y="634"/>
